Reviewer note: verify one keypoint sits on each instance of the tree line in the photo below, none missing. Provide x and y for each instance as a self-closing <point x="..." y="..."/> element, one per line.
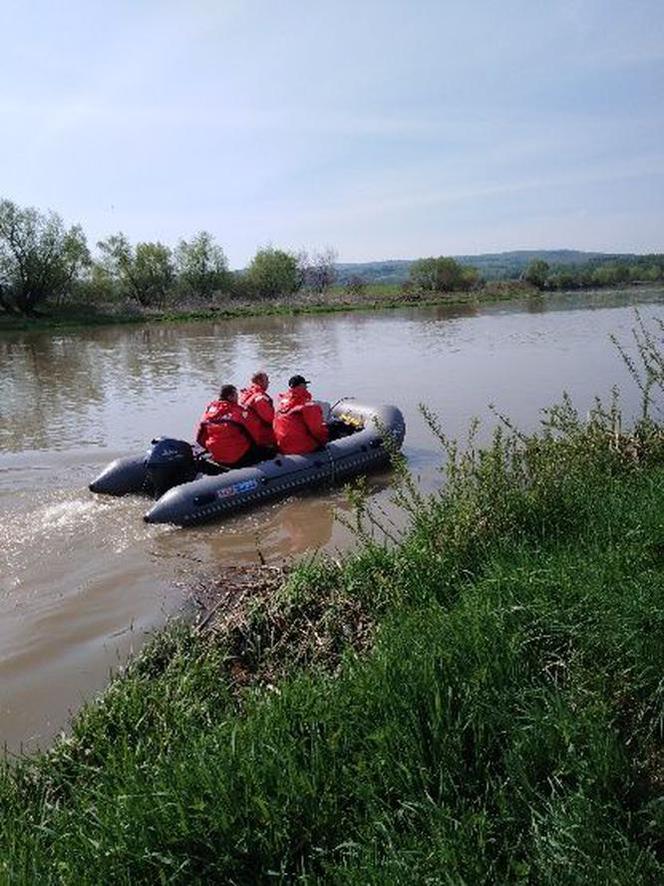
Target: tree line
<point x="594" y="274"/>
<point x="43" y="260"/>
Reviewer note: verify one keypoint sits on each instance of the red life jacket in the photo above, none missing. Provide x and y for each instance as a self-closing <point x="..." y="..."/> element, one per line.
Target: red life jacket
<point x="259" y="403"/>
<point x="225" y="431"/>
<point x="298" y="423"/>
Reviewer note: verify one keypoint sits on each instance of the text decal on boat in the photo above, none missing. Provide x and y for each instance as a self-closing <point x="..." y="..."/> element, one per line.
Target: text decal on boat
<point x="238" y="488"/>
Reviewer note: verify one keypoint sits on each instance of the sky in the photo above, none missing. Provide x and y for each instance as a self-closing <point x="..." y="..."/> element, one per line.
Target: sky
<point x="380" y="128"/>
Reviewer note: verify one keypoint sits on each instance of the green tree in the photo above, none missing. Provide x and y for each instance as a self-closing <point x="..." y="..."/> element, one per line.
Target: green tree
<point x="144" y="272"/>
<point x="273" y="272"/>
<point x="39" y="257"/>
<point x="449" y="275"/>
<point x="470" y="277"/>
<point x="621" y="272"/>
<point x="422" y="274"/>
<point x="565" y="279"/>
<point x="536" y="273"/>
<point x="441" y="274"/>
<point x="201" y="266"/>
<point x="602" y="276"/>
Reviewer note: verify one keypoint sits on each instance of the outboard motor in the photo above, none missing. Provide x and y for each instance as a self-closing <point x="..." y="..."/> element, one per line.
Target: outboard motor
<point x="169" y="463"/>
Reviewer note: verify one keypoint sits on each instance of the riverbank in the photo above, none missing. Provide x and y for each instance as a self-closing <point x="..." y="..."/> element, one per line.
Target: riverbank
<point x="377" y="297"/>
<point x="478" y="702"/>
<point x="373" y="297"/>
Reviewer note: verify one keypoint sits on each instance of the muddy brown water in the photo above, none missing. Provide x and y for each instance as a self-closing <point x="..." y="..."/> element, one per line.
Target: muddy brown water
<point x="83" y="580"/>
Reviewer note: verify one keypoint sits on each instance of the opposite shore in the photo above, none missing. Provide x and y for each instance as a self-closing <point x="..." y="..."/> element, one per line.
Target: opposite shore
<point x="375" y="297"/>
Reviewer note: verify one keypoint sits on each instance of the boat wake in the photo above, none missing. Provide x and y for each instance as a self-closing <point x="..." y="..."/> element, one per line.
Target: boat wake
<point x="66" y="514"/>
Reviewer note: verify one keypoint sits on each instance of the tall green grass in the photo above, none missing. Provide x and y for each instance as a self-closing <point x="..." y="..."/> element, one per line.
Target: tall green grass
<point x="504" y="725"/>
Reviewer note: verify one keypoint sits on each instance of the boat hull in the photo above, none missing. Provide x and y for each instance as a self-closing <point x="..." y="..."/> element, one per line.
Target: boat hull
<point x="210" y="498"/>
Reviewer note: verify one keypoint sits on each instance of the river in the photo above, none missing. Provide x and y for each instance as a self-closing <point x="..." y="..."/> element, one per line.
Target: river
<point x="83" y="580"/>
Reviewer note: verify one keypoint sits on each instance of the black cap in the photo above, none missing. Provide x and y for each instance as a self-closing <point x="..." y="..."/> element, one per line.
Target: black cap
<point x="296" y="380"/>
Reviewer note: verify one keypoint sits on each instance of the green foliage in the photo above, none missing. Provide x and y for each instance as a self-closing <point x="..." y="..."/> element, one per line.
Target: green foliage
<point x="202" y="267"/>
<point x="536" y="273"/>
<point x="513" y="266"/>
<point x="470" y="278"/>
<point x="145" y="272"/>
<point x="442" y="275"/>
<point x="603" y="273"/>
<point x="98" y="287"/>
<point x="40" y="259"/>
<point x="273" y="272"/>
<point x="646" y="370"/>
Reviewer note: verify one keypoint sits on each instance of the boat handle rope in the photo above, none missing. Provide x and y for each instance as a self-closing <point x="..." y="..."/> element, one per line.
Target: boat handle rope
<point x="340" y="400"/>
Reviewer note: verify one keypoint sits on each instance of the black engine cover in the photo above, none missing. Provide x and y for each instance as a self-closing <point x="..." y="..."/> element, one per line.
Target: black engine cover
<point x="168" y="463"/>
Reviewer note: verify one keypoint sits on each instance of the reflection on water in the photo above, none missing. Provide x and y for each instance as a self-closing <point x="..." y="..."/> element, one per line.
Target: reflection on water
<point x="82" y="578"/>
<point x="116" y="385"/>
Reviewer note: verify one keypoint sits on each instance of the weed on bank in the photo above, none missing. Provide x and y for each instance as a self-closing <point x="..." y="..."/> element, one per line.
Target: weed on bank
<point x="503" y="724"/>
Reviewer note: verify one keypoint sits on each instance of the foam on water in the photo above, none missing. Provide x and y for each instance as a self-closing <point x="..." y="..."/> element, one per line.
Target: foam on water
<point x="66" y="514"/>
<point x="59" y="523"/>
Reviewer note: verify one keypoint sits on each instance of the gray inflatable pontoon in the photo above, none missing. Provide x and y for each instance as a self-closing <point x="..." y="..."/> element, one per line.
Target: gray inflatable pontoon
<point x="214" y="497"/>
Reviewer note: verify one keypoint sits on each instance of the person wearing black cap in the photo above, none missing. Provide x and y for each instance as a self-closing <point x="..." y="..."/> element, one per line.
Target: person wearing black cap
<point x="299" y="426"/>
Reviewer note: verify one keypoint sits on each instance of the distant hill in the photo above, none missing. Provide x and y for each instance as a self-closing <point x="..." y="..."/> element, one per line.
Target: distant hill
<point x="492" y="266"/>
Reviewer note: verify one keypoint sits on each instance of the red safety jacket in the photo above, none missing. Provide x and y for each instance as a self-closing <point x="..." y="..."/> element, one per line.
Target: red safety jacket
<point x="259" y="403"/>
<point x="226" y="431"/>
<point x="298" y="423"/>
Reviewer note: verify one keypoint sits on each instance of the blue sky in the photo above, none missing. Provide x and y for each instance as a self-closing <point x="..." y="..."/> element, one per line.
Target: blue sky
<point x="383" y="129"/>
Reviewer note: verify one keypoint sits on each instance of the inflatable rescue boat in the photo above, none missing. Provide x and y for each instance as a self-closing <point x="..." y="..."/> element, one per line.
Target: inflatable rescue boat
<point x="189" y="489"/>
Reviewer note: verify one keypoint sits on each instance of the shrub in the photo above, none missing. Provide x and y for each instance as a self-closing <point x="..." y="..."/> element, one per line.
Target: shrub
<point x="273" y="272"/>
<point x="441" y="275"/>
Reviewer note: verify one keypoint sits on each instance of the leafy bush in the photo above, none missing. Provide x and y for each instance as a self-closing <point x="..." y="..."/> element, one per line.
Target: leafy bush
<point x="273" y="272"/>
<point x="442" y="275"/>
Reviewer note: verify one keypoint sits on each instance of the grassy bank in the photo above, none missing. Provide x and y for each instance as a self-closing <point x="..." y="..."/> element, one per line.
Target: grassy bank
<point x="374" y="297"/>
<point x="480" y="702"/>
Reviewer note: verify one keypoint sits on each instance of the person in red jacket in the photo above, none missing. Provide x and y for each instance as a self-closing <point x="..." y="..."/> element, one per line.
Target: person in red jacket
<point x="259" y="403"/>
<point x="298" y="422"/>
<point x="227" y="430"/>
